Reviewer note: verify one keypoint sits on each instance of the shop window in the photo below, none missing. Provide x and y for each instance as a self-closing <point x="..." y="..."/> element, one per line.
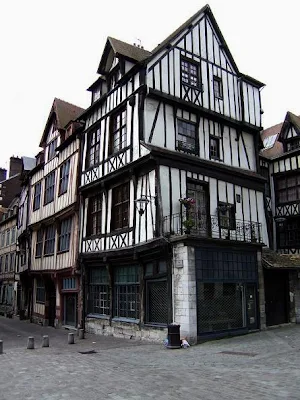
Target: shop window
<point x="99" y="292"/>
<point x="126" y="292"/>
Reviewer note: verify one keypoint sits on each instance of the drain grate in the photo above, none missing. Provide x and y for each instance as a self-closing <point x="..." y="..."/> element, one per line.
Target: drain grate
<point x="87" y="352"/>
<point x="238" y="353"/>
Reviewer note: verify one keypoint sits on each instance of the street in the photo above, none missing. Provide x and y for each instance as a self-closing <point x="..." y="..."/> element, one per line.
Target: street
<point x="262" y="365"/>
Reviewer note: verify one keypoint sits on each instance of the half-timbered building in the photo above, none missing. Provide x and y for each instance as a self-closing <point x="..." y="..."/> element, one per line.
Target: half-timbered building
<point x="280" y="164"/>
<point x="53" y="219"/>
<point x="172" y="202"/>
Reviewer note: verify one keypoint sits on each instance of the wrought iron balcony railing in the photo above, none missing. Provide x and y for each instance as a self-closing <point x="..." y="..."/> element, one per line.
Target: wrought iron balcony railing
<point x="212" y="226"/>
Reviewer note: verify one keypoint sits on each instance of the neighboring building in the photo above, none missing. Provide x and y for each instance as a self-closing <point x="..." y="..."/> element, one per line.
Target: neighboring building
<point x="53" y="219"/>
<point x="10" y="187"/>
<point x="280" y="164"/>
<point x="180" y="122"/>
<point x="8" y="257"/>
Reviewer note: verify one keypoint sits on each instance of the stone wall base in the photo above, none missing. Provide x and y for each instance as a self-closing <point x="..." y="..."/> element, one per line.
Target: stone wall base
<point x="125" y="330"/>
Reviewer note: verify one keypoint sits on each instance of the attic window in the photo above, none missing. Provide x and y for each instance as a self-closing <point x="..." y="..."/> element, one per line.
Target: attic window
<point x="114" y="77"/>
<point x="190" y="73"/>
<point x="293" y="144"/>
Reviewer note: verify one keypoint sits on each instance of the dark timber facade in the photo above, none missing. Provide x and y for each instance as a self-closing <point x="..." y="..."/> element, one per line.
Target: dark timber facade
<point x="172" y="202"/>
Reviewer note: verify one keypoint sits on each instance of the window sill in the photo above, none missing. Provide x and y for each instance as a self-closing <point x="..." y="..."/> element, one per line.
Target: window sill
<point x="193" y="87"/>
<point x="51" y="201"/>
<point x="62" y="251"/>
<point x="62" y="193"/>
<point x="38" y="256"/>
<point x="127" y="320"/>
<point x="49" y="255"/>
<point x="98" y="316"/>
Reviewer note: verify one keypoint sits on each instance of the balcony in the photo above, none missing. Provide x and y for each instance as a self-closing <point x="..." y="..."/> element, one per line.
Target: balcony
<point x="213" y="227"/>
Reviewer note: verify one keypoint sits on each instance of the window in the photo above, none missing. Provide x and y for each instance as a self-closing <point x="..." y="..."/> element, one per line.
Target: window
<point x="156" y="292"/>
<point x="118" y="131"/>
<point x="218" y="88"/>
<point x="214" y="147"/>
<point x="13" y="235"/>
<point x="49" y="188"/>
<point x="40" y="291"/>
<point x="39" y="243"/>
<point x="126" y="292"/>
<point x="186" y="137"/>
<point x="113" y="79"/>
<point x="120" y="207"/>
<point x="189" y="73"/>
<point x="65" y="234"/>
<point x="94" y="148"/>
<point x="2" y="239"/>
<point x="49" y="240"/>
<point x="37" y="196"/>
<point x="7" y="237"/>
<point x="95" y="215"/>
<point x="51" y="149"/>
<point x="226" y="216"/>
<point x="69" y="284"/>
<point x="1" y="261"/>
<point x="289" y="233"/>
<point x="12" y="261"/>
<point x="64" y="177"/>
<point x="293" y="144"/>
<point x="6" y="263"/>
<point x="99" y="292"/>
<point x="287" y="189"/>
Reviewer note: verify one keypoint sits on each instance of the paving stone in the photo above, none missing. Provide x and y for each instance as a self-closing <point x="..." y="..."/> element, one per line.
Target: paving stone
<point x="262" y="365"/>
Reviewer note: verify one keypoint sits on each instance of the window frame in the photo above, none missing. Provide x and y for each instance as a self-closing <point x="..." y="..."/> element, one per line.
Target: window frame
<point x="64" y="173"/>
<point x="94" y="226"/>
<point x="226" y="217"/>
<point x="99" y="290"/>
<point x="182" y="126"/>
<point x="49" y="188"/>
<point x="49" y="240"/>
<point x="218" y="87"/>
<point x="37" y="196"/>
<point x="284" y="189"/>
<point x="39" y="243"/>
<point x="93" y="148"/>
<point x="126" y="292"/>
<point x="217" y="140"/>
<point x="123" y="204"/>
<point x="52" y="149"/>
<point x="64" y="235"/>
<point x="190" y="76"/>
<point x="118" y="129"/>
<point x="287" y="229"/>
<point x="40" y="291"/>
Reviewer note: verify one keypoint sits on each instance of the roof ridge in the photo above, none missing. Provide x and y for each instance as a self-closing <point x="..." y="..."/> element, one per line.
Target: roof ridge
<point x="67" y="102"/>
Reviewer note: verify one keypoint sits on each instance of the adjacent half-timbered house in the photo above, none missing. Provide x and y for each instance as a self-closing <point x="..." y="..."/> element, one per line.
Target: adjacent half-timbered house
<point x="8" y="257"/>
<point x="53" y="219"/>
<point x="280" y="164"/>
<point x="172" y="211"/>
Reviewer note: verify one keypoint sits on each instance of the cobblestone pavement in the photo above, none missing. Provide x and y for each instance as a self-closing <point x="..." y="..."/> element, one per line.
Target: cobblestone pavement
<point x="263" y="365"/>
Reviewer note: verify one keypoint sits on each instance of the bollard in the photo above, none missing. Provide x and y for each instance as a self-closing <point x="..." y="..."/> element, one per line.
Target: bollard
<point x="70" y="338"/>
<point x="30" y="342"/>
<point x="1" y="346"/>
<point x="81" y="334"/>
<point x="45" y="342"/>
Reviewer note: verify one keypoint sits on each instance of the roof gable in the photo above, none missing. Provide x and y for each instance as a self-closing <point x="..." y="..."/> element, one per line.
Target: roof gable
<point x="63" y="112"/>
<point x="291" y="120"/>
<point x="117" y="48"/>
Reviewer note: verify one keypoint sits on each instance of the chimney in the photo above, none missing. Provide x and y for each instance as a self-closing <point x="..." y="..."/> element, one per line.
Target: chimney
<point x="15" y="166"/>
<point x="3" y="172"/>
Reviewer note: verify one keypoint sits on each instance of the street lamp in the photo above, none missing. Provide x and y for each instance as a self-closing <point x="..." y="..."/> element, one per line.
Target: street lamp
<point x="142" y="203"/>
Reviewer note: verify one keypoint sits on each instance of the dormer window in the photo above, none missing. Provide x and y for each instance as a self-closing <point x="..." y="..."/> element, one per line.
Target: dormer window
<point x="96" y="94"/>
<point x="114" y="77"/>
<point x="293" y="144"/>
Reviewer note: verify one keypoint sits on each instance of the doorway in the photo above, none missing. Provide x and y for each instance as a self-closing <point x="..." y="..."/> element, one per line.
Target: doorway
<point x="276" y="296"/>
<point x="50" y="310"/>
<point x="199" y="213"/>
<point x="70" y="309"/>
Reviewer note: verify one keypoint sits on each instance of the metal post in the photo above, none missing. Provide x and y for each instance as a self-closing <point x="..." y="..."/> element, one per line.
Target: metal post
<point x="81" y="334"/>
<point x="70" y="338"/>
<point x="1" y="346"/>
<point x="45" y="342"/>
<point x="30" y="342"/>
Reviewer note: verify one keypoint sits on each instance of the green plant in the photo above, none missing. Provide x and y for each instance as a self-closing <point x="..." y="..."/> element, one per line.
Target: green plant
<point x="188" y="223"/>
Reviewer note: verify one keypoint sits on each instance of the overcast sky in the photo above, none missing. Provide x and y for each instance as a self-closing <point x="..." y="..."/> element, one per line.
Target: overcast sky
<point x="51" y="48"/>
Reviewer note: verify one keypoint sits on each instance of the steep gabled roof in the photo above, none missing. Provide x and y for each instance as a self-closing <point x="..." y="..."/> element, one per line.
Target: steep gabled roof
<point x="123" y="49"/>
<point x="64" y="112"/>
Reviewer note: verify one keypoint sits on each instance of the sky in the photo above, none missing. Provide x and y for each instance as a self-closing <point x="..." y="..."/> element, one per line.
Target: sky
<point x="52" y="48"/>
